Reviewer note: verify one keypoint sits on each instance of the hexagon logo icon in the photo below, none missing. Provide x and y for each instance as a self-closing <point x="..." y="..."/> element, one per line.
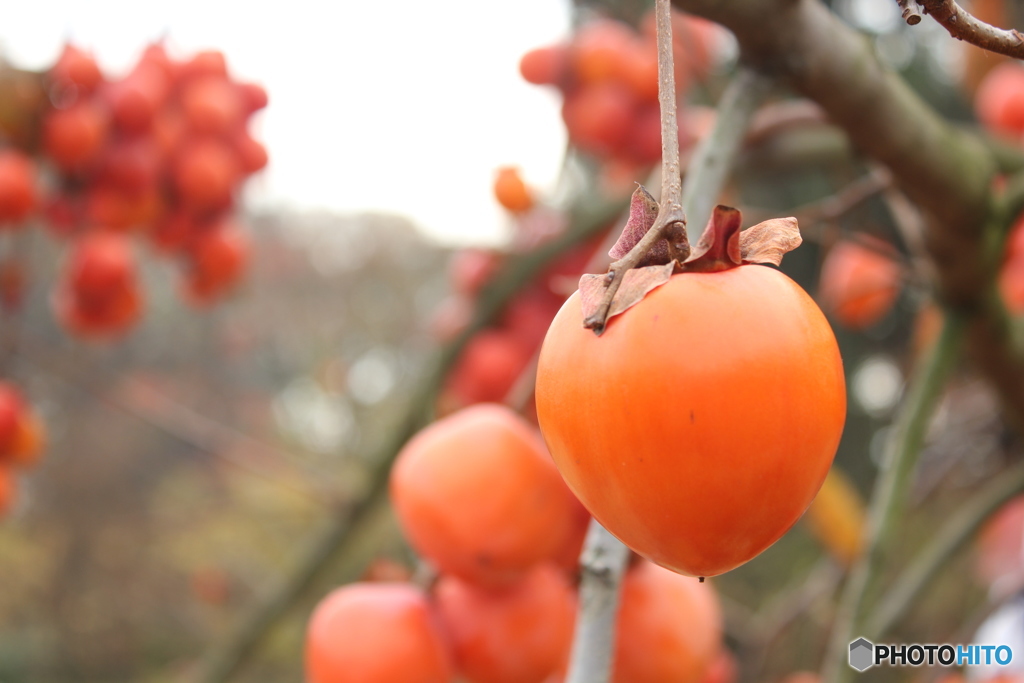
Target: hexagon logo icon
<point x="862" y="653"/>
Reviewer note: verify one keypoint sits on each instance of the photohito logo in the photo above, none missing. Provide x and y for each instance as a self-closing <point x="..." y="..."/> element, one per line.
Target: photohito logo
<point x="864" y="654"/>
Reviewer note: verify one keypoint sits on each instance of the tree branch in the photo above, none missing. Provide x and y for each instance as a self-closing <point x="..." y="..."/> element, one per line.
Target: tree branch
<point x="602" y="566"/>
<point x="962" y="25"/>
<point x="891" y="486"/>
<point x="957" y="531"/>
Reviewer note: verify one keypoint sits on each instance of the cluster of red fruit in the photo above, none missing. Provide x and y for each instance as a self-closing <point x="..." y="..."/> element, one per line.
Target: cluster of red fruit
<point x="496" y="357"/>
<point x="160" y="152"/>
<point x="22" y="434"/>
<point x="608" y="74"/>
<point x="479" y="498"/>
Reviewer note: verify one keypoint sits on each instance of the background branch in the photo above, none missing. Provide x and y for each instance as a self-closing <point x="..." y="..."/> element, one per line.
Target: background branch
<point x="963" y="25"/>
<point x="602" y="566"/>
<point x="891" y="487"/>
<point x="954" y="534"/>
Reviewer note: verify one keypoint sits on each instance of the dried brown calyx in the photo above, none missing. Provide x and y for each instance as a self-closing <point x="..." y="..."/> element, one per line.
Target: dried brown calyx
<point x="722" y="246"/>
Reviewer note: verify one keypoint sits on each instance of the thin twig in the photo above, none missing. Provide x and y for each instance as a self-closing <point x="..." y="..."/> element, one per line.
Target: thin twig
<point x="963" y="25"/>
<point x="602" y="566"/>
<point x="891" y="487"/>
<point x="671" y="219"/>
<point x="911" y="11"/>
<point x="957" y="531"/>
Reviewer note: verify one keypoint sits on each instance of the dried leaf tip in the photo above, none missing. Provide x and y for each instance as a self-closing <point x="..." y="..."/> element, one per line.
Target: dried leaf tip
<point x="724" y="246"/>
<point x="643" y="212"/>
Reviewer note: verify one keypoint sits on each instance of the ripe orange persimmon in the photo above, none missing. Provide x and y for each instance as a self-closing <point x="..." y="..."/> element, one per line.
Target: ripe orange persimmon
<point x="510" y="635"/>
<point x="205" y="175"/>
<point x="510" y="190"/>
<point x="700" y="425"/>
<point x="477" y="495"/>
<point x="17" y="186"/>
<point x="375" y="633"/>
<point x="859" y="285"/>
<point x="669" y="627"/>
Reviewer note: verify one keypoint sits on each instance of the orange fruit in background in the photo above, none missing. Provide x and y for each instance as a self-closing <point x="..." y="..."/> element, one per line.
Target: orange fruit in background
<point x="669" y="627"/>
<point x="17" y="186"/>
<point x="519" y="633"/>
<point x="837" y="517"/>
<point x="205" y="174"/>
<point x="999" y="549"/>
<point x="545" y="65"/>
<point x="253" y="95"/>
<point x="375" y="633"/>
<point x="598" y="117"/>
<point x="218" y="257"/>
<point x="211" y="105"/>
<point x="723" y="669"/>
<point x="999" y="100"/>
<point x="74" y="137"/>
<point x="477" y="495"/>
<point x="597" y="50"/>
<point x="859" y="285"/>
<point x="675" y="446"/>
<point x="511" y="192"/>
<point x="488" y="367"/>
<point x="12" y="407"/>
<point x="78" y="68"/>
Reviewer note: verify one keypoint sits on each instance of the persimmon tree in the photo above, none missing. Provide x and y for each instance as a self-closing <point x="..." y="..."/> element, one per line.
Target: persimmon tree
<point x="954" y="193"/>
<point x="503" y="590"/>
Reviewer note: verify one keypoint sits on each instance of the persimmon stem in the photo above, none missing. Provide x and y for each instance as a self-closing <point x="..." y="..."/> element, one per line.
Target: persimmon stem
<point x="671" y="221"/>
<point x="887" y="500"/>
<point x="602" y="565"/>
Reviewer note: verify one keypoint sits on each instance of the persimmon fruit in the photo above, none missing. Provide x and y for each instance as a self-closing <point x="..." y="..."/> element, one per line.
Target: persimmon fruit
<point x="668" y="629"/>
<point x="515" y="634"/>
<point x="477" y="495"/>
<point x="700" y="425"/>
<point x="510" y="190"/>
<point x="859" y="285"/>
<point x="376" y="633"/>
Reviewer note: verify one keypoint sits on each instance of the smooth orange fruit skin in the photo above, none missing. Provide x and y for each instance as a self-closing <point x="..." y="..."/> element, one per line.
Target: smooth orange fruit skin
<point x="669" y="628"/>
<point x="514" y="635"/>
<point x="700" y="425"/>
<point x="476" y="494"/>
<point x="375" y="633"/>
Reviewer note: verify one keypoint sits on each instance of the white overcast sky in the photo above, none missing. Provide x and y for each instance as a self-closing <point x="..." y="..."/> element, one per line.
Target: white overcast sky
<point x="404" y="106"/>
